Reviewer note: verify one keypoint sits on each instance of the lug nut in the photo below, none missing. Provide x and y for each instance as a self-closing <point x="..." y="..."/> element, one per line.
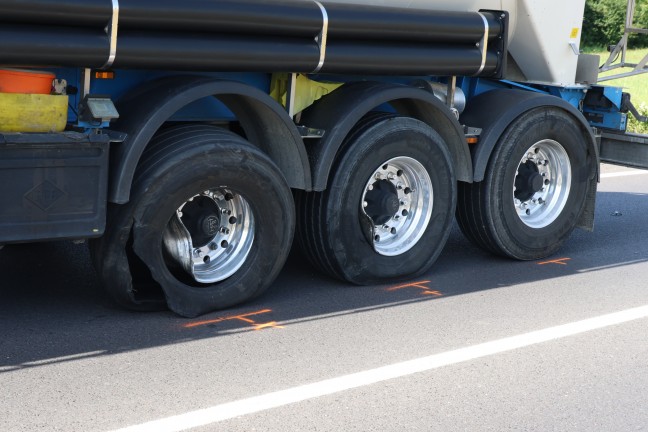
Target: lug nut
<point x="224" y="244"/>
<point x="224" y="230"/>
<point x="212" y="246"/>
<point x="393" y="230"/>
<point x="377" y="238"/>
<point x="232" y="220"/>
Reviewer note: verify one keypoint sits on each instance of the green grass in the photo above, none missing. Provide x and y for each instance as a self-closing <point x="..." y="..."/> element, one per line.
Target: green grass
<point x="636" y="85"/>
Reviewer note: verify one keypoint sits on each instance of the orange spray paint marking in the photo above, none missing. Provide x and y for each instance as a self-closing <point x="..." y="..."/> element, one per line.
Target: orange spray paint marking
<point x="559" y="261"/>
<point x="422" y="285"/>
<point x="243" y="317"/>
<point x="271" y="324"/>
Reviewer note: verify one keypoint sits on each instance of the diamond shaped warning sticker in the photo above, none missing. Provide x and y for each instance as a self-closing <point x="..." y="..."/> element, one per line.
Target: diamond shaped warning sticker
<point x="45" y="195"/>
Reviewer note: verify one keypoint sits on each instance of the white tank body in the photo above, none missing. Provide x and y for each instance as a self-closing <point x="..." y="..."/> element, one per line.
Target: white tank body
<point x="544" y="35"/>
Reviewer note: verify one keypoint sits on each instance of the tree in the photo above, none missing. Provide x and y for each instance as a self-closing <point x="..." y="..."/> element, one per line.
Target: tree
<point x="604" y="22"/>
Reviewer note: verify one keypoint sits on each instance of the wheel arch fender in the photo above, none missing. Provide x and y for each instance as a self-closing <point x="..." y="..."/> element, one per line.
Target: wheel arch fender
<point x="338" y="112"/>
<point x="495" y="110"/>
<point x="266" y="125"/>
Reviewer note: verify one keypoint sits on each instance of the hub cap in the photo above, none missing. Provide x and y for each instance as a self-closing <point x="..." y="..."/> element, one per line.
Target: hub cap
<point x="398" y="198"/>
<point x="211" y="235"/>
<point x="542" y="184"/>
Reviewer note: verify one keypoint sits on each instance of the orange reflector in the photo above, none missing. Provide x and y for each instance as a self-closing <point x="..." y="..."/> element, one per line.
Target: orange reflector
<point x="104" y="74"/>
<point x="472" y="140"/>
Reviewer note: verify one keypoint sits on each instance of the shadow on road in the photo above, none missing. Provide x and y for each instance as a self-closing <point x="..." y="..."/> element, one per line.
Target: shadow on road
<point x="51" y="309"/>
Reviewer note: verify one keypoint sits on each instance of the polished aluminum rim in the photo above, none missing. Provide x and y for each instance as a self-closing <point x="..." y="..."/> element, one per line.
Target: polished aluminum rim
<point x="398" y="198"/>
<point x="542" y="184"/>
<point x="211" y="235"/>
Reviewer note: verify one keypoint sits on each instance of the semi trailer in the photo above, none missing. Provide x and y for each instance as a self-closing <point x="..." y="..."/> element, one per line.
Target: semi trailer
<point x="191" y="142"/>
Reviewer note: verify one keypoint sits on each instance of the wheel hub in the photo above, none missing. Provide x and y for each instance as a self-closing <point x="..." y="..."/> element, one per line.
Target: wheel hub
<point x="382" y="202"/>
<point x="542" y="184"/>
<point x="211" y="235"/>
<point x="201" y="218"/>
<point x="398" y="201"/>
<point x="528" y="181"/>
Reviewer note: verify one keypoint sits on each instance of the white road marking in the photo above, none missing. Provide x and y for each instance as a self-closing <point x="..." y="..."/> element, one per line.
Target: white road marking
<point x="293" y="395"/>
<point x="623" y="174"/>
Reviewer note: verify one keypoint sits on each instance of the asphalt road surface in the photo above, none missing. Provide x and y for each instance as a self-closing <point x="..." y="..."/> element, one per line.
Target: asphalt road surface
<point x="479" y="344"/>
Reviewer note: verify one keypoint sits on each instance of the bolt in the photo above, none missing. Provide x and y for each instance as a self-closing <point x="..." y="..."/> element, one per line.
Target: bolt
<point x="198" y="253"/>
<point x="224" y="230"/>
<point x="224" y="244"/>
<point x="229" y="197"/>
<point x="212" y="246"/>
<point x="377" y="238"/>
<point x="393" y="231"/>
<point x="384" y="167"/>
<point x="399" y="173"/>
<point x="396" y="217"/>
<point x="399" y="186"/>
<point x="546" y="182"/>
<point x="408" y="191"/>
<point x="391" y="176"/>
<point x="232" y="220"/>
<point x="540" y="201"/>
<point x="404" y="212"/>
<point x="206" y="259"/>
<point x="528" y="212"/>
<point x="385" y="227"/>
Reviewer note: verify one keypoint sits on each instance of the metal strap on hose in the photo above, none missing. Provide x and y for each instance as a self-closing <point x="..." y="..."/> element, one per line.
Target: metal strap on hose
<point x="483" y="45"/>
<point x="321" y="39"/>
<point x="111" y="29"/>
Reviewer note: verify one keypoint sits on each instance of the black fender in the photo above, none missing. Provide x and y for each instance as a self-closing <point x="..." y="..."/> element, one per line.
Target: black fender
<point x="339" y="111"/>
<point x="495" y="110"/>
<point x="265" y="122"/>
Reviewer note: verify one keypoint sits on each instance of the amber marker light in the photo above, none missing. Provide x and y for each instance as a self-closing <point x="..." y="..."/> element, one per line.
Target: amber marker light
<point x="472" y="140"/>
<point x="104" y="75"/>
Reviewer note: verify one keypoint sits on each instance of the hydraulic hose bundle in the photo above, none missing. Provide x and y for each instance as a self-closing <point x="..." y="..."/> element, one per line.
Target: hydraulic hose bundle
<point x="250" y="35"/>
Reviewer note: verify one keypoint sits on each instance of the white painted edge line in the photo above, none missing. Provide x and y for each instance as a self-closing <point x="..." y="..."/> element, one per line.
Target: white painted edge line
<point x="623" y="174"/>
<point x="293" y="395"/>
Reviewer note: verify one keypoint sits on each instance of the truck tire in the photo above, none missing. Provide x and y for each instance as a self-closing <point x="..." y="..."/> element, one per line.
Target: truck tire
<point x="212" y="218"/>
<point x="534" y="189"/>
<point x="388" y="209"/>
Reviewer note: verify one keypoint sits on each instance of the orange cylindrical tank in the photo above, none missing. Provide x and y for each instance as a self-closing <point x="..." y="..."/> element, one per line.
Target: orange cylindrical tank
<point x="24" y="81"/>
